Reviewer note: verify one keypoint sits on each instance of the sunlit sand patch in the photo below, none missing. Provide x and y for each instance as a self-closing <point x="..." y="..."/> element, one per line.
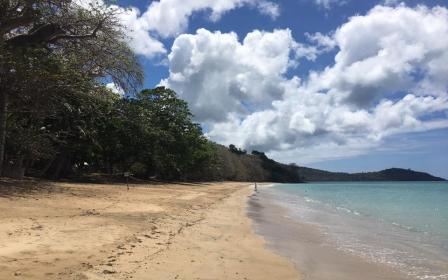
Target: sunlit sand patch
<point x="190" y="196"/>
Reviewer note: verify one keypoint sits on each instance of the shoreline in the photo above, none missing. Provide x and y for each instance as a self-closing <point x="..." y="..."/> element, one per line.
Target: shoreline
<point x="305" y="245"/>
<point x="90" y="231"/>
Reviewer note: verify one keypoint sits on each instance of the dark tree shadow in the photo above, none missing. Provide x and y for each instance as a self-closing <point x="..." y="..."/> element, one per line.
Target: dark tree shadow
<point x="24" y="187"/>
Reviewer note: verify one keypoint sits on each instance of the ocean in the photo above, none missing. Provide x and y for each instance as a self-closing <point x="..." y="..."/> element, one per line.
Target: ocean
<point x="401" y="225"/>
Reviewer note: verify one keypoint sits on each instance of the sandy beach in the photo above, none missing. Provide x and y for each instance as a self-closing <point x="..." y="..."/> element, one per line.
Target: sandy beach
<point x="91" y="231"/>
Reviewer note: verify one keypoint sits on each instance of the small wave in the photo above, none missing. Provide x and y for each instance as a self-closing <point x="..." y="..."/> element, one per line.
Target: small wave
<point x="348" y="210"/>
<point x="435" y="277"/>
<point x="403" y="260"/>
<point x="344" y="209"/>
<point x="409" y="228"/>
<point x="377" y="233"/>
<point x="307" y="199"/>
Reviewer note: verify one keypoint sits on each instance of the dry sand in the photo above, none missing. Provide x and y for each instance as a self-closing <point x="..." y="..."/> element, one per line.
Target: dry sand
<point x="89" y="231"/>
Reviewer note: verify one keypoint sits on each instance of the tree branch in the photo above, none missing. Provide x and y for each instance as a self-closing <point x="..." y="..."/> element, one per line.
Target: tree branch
<point x="25" y="18"/>
<point x="57" y="37"/>
<point x="50" y="34"/>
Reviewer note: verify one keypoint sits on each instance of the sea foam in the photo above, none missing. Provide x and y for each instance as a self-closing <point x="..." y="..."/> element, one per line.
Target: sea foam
<point x="402" y="225"/>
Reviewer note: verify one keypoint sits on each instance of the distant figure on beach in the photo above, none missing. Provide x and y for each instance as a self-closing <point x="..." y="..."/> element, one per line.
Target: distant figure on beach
<point x="256" y="189"/>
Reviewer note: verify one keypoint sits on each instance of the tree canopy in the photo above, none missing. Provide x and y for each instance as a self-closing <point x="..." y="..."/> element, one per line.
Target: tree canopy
<point x="52" y="49"/>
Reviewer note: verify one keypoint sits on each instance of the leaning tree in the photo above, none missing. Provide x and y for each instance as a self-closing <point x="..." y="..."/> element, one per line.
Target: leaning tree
<point x="87" y="36"/>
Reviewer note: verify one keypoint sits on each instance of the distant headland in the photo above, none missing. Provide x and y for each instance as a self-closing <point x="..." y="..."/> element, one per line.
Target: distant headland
<point x="390" y="174"/>
<point x="234" y="164"/>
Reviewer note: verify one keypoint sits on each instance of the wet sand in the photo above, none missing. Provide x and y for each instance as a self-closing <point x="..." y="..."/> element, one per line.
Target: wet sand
<point x="175" y="231"/>
<point x="305" y="245"/>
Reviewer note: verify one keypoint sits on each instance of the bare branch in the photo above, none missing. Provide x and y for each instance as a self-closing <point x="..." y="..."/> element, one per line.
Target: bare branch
<point x="93" y="34"/>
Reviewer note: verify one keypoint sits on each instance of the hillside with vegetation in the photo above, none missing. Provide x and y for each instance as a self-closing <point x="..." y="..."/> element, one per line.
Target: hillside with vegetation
<point x="391" y="174"/>
<point x="233" y="164"/>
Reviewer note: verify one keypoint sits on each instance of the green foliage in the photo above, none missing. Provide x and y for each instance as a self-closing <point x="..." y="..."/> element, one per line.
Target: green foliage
<point x="138" y="169"/>
<point x="156" y="130"/>
<point x="236" y="150"/>
<point x="54" y="56"/>
<point x="391" y="174"/>
<point x="150" y="135"/>
<point x="259" y="154"/>
<point x="230" y="166"/>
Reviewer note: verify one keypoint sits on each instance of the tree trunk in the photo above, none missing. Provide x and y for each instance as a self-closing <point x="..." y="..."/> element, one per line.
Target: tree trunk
<point x="3" y="115"/>
<point x="15" y="168"/>
<point x="62" y="167"/>
<point x="59" y="166"/>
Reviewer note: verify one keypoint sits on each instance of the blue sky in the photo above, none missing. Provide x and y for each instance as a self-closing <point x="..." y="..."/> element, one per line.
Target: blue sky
<point x="340" y="85"/>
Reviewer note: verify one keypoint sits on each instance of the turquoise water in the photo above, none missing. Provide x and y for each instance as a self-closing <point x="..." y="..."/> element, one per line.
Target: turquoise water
<point x="401" y="224"/>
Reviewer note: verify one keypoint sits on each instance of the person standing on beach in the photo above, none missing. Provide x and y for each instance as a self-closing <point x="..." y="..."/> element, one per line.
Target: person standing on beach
<point x="256" y="189"/>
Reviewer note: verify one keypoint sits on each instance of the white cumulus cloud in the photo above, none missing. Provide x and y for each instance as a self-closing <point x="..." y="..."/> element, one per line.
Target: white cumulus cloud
<point x="220" y="76"/>
<point x="385" y="51"/>
<point x="168" y="18"/>
<point x="388" y="78"/>
<point x="140" y="39"/>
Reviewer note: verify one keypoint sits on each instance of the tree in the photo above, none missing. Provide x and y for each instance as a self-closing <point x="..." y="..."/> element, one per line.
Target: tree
<point x="47" y="81"/>
<point x="261" y="155"/>
<point x="150" y="134"/>
<point x="236" y="150"/>
<point x="155" y="130"/>
<point x="89" y="39"/>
